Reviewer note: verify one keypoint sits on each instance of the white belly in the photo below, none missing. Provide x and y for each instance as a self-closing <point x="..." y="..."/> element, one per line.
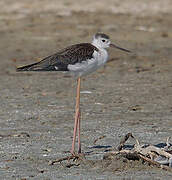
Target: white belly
<point x="91" y="65"/>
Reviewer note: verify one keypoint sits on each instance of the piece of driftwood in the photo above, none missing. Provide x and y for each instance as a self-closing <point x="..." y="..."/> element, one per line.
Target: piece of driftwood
<point x="154" y="163"/>
<point x="133" y="155"/>
<point x="148" y="153"/>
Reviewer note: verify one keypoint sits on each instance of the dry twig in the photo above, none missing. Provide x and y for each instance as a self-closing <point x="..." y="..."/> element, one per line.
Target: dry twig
<point x="123" y="140"/>
<point x="101" y="137"/>
<point x="67" y="158"/>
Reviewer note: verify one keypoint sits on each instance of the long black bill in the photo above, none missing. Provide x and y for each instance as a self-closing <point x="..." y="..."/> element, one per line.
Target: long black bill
<point x="115" y="46"/>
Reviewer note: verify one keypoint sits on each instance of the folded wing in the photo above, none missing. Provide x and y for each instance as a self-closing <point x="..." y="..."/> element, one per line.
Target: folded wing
<point x="60" y="60"/>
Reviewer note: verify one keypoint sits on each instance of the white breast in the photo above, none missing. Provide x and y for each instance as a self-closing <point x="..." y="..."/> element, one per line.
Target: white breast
<point x="102" y="57"/>
<point x="91" y="65"/>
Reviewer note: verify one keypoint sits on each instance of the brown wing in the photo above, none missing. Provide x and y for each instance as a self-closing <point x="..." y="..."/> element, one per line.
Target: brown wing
<point x="60" y="60"/>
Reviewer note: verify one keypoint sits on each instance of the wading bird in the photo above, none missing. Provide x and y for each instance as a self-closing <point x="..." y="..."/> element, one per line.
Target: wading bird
<point x="79" y="59"/>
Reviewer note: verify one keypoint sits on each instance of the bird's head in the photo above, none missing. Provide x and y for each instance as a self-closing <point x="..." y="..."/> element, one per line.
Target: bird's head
<point x="101" y="40"/>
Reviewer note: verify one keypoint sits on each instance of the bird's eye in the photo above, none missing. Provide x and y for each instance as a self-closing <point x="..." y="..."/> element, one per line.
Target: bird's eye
<point x="103" y="40"/>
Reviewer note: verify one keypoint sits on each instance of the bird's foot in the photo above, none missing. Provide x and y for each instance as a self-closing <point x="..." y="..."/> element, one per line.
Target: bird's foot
<point x="74" y="157"/>
<point x="77" y="155"/>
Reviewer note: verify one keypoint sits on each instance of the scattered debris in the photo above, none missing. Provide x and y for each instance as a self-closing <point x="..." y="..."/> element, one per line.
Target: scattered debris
<point x="22" y="134"/>
<point x="123" y="140"/>
<point x="68" y="158"/>
<point x="135" y="108"/>
<point x="101" y="137"/>
<point x="86" y="92"/>
<point x="154" y="155"/>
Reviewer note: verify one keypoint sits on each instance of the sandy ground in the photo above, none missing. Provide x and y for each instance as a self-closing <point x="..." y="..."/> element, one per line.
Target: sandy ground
<point x="132" y="93"/>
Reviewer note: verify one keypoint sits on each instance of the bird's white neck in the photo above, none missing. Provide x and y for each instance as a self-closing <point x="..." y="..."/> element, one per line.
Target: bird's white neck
<point x="101" y="55"/>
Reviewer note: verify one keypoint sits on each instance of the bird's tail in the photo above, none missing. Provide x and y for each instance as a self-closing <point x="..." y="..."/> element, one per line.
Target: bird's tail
<point x="49" y="63"/>
<point x="30" y="67"/>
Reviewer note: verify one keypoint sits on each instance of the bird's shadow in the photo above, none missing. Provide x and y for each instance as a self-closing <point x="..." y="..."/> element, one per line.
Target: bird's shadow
<point x="100" y="147"/>
<point x="107" y="148"/>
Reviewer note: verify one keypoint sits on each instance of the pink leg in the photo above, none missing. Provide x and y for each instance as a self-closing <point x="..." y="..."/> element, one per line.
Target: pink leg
<point x="79" y="132"/>
<point x="77" y="117"/>
<point x="74" y="132"/>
